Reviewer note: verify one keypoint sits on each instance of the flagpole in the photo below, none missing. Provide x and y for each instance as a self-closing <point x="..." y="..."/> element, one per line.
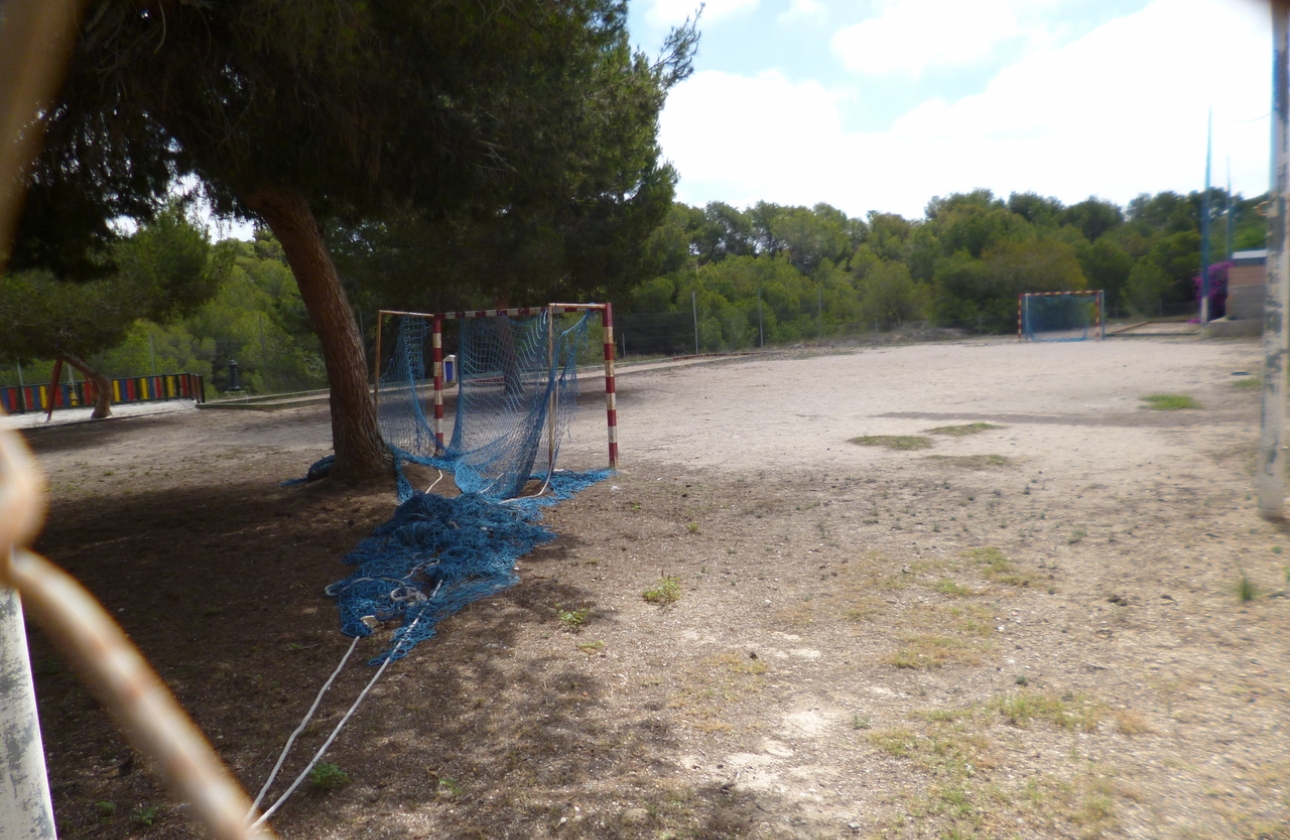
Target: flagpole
<point x="1204" y="225"/>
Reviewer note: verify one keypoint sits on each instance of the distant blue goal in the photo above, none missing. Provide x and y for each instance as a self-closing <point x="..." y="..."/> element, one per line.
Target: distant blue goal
<point x="1061" y="316"/>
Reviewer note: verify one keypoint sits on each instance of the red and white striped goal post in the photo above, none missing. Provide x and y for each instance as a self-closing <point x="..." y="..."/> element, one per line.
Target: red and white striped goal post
<point x="1099" y="304"/>
<point x="437" y="318"/>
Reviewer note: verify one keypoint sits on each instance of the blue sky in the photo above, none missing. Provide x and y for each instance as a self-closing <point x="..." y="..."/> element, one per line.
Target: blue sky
<point x="883" y="104"/>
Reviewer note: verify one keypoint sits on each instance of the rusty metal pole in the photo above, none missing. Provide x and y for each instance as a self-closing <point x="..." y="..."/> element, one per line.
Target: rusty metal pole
<point x="1272" y="449"/>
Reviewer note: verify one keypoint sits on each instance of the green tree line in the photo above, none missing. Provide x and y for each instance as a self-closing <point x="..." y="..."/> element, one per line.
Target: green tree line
<point x="785" y="274"/>
<point x="769" y="274"/>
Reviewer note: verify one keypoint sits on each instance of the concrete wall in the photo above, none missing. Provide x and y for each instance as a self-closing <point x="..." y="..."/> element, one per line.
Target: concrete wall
<point x="1245" y="302"/>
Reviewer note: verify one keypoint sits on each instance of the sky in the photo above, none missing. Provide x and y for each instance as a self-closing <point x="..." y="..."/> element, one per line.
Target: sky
<point x="884" y="104"/>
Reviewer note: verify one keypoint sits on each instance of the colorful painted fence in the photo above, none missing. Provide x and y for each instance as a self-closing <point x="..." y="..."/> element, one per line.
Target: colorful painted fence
<point x="15" y="399"/>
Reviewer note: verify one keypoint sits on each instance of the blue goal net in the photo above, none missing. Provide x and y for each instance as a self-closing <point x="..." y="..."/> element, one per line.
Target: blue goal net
<point x="517" y="392"/>
<point x="1061" y="316"/>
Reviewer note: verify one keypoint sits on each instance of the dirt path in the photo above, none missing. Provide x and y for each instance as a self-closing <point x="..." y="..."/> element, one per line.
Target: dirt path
<point x="1031" y="630"/>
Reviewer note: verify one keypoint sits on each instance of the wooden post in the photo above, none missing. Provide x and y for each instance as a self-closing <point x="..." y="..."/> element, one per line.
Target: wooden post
<point x="1270" y="479"/>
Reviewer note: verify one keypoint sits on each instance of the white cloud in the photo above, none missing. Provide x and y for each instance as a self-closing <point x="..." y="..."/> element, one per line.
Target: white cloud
<point x="801" y="10"/>
<point x="913" y="35"/>
<point x="1118" y="112"/>
<point x="665" y="13"/>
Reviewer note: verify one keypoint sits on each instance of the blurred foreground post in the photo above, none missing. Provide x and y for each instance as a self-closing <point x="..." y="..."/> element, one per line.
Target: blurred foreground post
<point x="26" y="812"/>
<point x="36" y="37"/>
<point x="1272" y="456"/>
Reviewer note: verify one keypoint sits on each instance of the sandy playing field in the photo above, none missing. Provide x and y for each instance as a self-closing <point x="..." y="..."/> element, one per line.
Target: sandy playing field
<point x="1013" y="611"/>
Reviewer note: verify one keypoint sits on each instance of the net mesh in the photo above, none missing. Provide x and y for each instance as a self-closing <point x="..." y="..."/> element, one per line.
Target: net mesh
<point x="436" y="555"/>
<point x="513" y="372"/>
<point x="1060" y="317"/>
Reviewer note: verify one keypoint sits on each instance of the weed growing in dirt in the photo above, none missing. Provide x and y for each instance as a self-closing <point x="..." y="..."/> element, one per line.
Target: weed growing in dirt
<point x="146" y="815"/>
<point x="1250" y="384"/>
<point x="591" y="648"/>
<point x="1077" y="535"/>
<point x="1170" y="402"/>
<point x="945" y="586"/>
<point x="1246" y="589"/>
<point x="997" y="567"/>
<point x="858" y="722"/>
<point x="692" y="527"/>
<point x="327" y="776"/>
<point x="894" y="441"/>
<point x="667" y="590"/>
<point x="965" y="429"/>
<point x="943" y="751"/>
<point x="106" y="810"/>
<point x="973" y="462"/>
<point x="572" y="619"/>
<point x="934" y="652"/>
<point x="953" y="748"/>
<point x="1129" y="722"/>
<point x="1068" y="712"/>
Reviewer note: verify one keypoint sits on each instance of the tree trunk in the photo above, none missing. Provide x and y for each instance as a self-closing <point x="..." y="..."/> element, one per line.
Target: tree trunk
<point x="356" y="438"/>
<point x="102" y="387"/>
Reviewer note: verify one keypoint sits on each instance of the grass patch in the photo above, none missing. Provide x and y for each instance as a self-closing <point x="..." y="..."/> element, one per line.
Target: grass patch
<point x="667" y="590"/>
<point x="962" y="799"/>
<point x="737" y="663"/>
<point x="1246" y="589"/>
<point x="1170" y="402"/>
<point x="1129" y="722"/>
<point x="945" y="586"/>
<point x="572" y="619"/>
<point x="934" y="652"/>
<point x="904" y="442"/>
<point x="975" y="620"/>
<point x="973" y="462"/>
<point x="326" y="776"/>
<point x="1069" y="712"/>
<point x="711" y="686"/>
<point x="1252" y="383"/>
<point x="997" y="567"/>
<point x="963" y="430"/>
<point x="942" y="751"/>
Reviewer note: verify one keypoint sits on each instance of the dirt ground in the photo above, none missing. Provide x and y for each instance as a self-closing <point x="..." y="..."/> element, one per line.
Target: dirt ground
<point x="1027" y="630"/>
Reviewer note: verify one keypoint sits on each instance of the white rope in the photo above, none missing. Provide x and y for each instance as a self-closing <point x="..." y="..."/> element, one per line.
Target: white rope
<point x="436" y="481"/>
<point x="318" y="755"/>
<point x="301" y="728"/>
